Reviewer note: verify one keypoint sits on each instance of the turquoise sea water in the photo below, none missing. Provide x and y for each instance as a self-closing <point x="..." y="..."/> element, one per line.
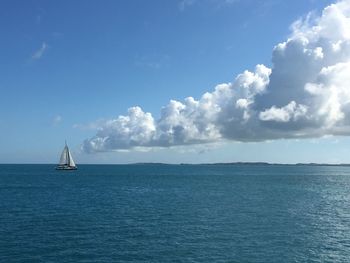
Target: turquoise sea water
<point x="175" y="213"/>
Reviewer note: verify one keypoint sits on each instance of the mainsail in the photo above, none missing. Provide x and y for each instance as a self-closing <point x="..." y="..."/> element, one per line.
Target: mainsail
<point x="66" y="160"/>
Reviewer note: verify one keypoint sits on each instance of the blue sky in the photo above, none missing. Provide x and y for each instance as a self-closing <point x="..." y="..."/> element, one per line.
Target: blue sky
<point x="69" y="65"/>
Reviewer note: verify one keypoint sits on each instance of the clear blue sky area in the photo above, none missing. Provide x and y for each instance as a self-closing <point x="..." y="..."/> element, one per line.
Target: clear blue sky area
<point x="67" y="64"/>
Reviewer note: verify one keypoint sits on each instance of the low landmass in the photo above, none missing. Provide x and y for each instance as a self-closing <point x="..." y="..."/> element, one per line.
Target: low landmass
<point x="247" y="163"/>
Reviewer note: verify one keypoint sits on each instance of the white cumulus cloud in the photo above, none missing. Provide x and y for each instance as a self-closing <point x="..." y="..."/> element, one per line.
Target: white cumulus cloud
<point x="306" y="93"/>
<point x="292" y="111"/>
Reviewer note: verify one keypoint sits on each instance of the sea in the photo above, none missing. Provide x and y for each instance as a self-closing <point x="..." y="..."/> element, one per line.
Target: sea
<point x="175" y="213"/>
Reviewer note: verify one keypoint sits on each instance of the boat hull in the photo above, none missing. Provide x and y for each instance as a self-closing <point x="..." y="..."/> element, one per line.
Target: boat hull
<point x="66" y="168"/>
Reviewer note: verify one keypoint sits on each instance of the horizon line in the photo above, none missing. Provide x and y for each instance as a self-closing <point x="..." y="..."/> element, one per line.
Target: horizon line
<point x="214" y="163"/>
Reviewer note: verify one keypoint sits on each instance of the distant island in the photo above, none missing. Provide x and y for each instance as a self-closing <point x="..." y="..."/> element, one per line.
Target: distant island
<point x="245" y="163"/>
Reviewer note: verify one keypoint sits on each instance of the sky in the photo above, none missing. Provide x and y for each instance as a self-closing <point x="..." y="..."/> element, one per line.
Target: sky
<point x="176" y="81"/>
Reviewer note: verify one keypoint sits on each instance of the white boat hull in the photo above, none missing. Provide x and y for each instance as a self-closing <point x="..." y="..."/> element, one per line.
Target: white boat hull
<point x="66" y="168"/>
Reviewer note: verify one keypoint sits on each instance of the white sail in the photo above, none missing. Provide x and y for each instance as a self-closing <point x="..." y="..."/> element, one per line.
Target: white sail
<point x="70" y="159"/>
<point x="63" y="159"/>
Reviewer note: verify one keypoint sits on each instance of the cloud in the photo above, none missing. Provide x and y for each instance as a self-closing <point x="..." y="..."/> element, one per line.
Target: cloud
<point x="40" y="52"/>
<point x="292" y="111"/>
<point x="95" y="125"/>
<point x="305" y="94"/>
<point x="57" y="120"/>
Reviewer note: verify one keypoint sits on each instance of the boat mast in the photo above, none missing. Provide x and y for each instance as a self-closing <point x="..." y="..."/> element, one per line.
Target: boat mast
<point x="67" y="153"/>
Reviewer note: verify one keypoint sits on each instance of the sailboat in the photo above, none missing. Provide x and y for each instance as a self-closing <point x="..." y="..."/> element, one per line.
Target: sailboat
<point x="66" y="160"/>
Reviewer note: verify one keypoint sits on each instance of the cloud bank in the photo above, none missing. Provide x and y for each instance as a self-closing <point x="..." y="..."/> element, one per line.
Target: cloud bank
<point x="305" y="94"/>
